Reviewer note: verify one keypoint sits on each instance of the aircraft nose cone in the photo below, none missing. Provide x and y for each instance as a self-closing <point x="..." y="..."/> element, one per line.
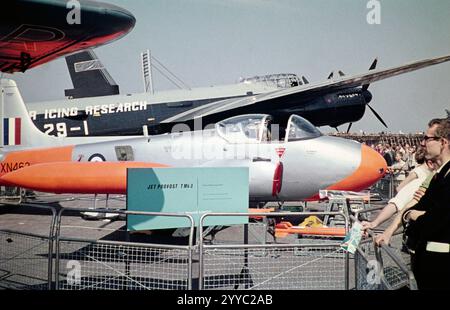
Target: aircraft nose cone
<point x="124" y="20"/>
<point x="371" y="169"/>
<point x="367" y="96"/>
<point x="108" y="19"/>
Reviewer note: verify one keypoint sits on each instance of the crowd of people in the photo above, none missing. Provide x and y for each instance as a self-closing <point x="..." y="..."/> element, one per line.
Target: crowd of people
<point x="400" y="159"/>
<point x="422" y="203"/>
<point x="399" y="150"/>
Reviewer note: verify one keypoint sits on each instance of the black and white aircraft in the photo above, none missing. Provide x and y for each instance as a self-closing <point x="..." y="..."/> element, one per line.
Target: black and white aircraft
<point x="338" y="100"/>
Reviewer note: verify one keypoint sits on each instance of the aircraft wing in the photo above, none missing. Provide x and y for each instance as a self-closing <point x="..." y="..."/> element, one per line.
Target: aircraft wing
<point x="33" y="32"/>
<point x="289" y="96"/>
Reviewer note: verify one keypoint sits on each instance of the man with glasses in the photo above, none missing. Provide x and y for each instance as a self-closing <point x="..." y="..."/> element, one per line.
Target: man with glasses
<point x="431" y="215"/>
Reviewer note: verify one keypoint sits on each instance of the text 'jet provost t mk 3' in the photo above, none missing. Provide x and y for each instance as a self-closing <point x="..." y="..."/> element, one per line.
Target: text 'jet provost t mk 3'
<point x="289" y="161"/>
<point x="338" y="100"/>
<point x="34" y="32"/>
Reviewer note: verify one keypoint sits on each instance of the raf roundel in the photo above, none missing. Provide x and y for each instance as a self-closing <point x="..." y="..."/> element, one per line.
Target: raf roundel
<point x="97" y="157"/>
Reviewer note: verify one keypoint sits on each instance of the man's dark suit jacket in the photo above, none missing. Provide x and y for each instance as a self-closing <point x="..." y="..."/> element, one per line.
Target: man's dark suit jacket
<point x="434" y="225"/>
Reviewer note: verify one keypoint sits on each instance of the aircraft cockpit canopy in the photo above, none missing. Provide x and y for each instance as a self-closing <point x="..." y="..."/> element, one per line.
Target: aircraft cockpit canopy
<point x="252" y="128"/>
<point x="299" y="128"/>
<point x="282" y="80"/>
<point x="257" y="128"/>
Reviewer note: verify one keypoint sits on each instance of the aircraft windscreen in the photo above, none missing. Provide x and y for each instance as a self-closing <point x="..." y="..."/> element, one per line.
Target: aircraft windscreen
<point x="243" y="129"/>
<point x="282" y="80"/>
<point x="300" y="129"/>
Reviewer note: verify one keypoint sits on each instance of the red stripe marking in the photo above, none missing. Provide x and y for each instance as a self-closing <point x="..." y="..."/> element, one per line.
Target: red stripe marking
<point x="277" y="179"/>
<point x="17" y="131"/>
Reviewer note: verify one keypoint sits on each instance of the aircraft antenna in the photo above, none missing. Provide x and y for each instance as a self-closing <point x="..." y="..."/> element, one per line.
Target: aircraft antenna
<point x="149" y="62"/>
<point x="147" y="75"/>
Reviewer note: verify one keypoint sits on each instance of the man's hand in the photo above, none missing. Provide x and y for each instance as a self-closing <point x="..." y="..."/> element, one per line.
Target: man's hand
<point x="414" y="214"/>
<point x="419" y="194"/>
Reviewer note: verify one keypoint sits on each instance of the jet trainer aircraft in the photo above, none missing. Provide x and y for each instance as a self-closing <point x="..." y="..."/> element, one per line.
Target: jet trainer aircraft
<point x="339" y="100"/>
<point x="33" y="32"/>
<point x="291" y="161"/>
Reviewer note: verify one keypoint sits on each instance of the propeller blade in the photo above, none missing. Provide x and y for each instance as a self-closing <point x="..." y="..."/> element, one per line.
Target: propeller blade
<point x="377" y="116"/>
<point x="372" y="67"/>
<point x="349" y="126"/>
<point x="374" y="64"/>
<point x="338" y="72"/>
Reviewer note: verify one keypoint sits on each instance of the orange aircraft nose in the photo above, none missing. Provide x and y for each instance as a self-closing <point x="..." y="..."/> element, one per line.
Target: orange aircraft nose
<point x="371" y="169"/>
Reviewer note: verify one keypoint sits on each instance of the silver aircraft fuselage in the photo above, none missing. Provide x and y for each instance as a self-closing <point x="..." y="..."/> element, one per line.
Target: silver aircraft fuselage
<point x="309" y="165"/>
<point x="292" y="167"/>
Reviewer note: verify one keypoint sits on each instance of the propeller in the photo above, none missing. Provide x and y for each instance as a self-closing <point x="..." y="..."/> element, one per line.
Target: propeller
<point x="349" y="126"/>
<point x="377" y="116"/>
<point x="372" y="67"/>
<point x="365" y="93"/>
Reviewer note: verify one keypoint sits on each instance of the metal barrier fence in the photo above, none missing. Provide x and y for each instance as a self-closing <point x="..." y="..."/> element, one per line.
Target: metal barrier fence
<point x="387" y="186"/>
<point x="90" y="264"/>
<point x="382" y="267"/>
<point x="59" y="259"/>
<point x="26" y="258"/>
<point x="317" y="264"/>
<point x="11" y="195"/>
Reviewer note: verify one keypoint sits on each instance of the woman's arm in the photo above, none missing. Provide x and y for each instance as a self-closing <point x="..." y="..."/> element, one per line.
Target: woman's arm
<point x="386" y="236"/>
<point x="408" y="179"/>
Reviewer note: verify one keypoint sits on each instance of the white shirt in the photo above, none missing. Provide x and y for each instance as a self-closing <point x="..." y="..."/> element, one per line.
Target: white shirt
<point x="406" y="194"/>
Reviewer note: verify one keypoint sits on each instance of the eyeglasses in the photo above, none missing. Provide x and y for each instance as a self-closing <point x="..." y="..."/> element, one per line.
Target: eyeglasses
<point x="426" y="138"/>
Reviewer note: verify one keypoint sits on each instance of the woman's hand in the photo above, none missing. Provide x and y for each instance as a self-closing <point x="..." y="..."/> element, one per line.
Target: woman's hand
<point x="385" y="238"/>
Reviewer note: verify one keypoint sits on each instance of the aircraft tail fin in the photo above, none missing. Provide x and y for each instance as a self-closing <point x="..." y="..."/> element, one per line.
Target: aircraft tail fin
<point x="17" y="128"/>
<point x="89" y="77"/>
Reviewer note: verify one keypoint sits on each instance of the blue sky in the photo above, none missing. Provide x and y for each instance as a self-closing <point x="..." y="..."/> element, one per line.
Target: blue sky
<point x="212" y="42"/>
